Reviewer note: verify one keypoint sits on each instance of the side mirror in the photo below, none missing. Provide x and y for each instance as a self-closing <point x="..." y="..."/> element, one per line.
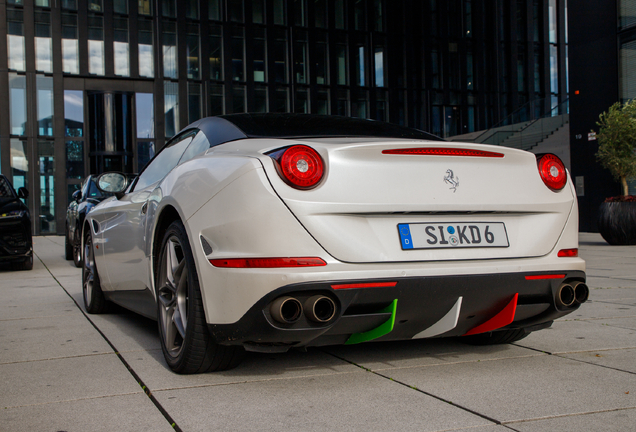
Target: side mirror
<point x="113" y="182"/>
<point x="77" y="195"/>
<point x="23" y="193"/>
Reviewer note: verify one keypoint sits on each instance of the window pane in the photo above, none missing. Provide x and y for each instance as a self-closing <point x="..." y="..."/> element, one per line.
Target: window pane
<point x="360" y="66"/>
<point x="214" y="10"/>
<point x="238" y="100"/>
<point x="17" y="99"/>
<point x="379" y="66"/>
<point x="146" y="52"/>
<point x="301" y="102"/>
<point x="260" y="99"/>
<point x="217" y="101"/>
<point x="171" y="108"/>
<point x="216" y="53"/>
<point x="194" y="102"/>
<point x="300" y="13"/>
<point x="73" y="113"/>
<point x="235" y="10"/>
<point x="70" y="46"/>
<point x="46" y="159"/>
<point x="169" y="50"/>
<point x="144" y="7"/>
<point x="281" y="102"/>
<point x="300" y="58"/>
<point x="15" y="40"/>
<point x="259" y="55"/>
<point x="145" y="115"/>
<point x="168" y="8"/>
<point x="360" y="15"/>
<point x="69" y="4"/>
<point x="74" y="159"/>
<point x="258" y="12"/>
<point x="279" y="12"/>
<point x="95" y="6"/>
<point x="378" y="7"/>
<point x="554" y="70"/>
<point x="320" y="13"/>
<point x="43" y="48"/>
<point x="120" y="47"/>
<point x="120" y="6"/>
<point x="322" y="103"/>
<point x="19" y="164"/>
<point x="341" y="58"/>
<point x="95" y="45"/>
<point x="238" y="41"/>
<point x="192" y="9"/>
<point x="193" y="51"/>
<point x="340" y="13"/>
<point x="322" y="62"/>
<point x="280" y="56"/>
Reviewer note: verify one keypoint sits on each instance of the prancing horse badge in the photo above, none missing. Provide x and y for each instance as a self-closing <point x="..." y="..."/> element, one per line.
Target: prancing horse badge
<point x="451" y="180"/>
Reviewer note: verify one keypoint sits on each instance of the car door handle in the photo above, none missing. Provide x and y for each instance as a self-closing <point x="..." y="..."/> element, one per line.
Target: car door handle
<point x="144" y="208"/>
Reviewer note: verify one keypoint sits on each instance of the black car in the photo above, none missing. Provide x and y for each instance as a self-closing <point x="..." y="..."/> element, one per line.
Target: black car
<point x="16" y="240"/>
<point x="83" y="201"/>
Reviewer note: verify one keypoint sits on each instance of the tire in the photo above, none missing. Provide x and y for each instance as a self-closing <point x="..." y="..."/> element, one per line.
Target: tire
<point x="94" y="300"/>
<point x="186" y="342"/>
<point x="77" y="252"/>
<point x="496" y="337"/>
<point x="68" y="247"/>
<point x="26" y="264"/>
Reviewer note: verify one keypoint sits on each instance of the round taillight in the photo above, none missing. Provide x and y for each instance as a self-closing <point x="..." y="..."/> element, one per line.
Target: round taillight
<point x="552" y="171"/>
<point x="301" y="166"/>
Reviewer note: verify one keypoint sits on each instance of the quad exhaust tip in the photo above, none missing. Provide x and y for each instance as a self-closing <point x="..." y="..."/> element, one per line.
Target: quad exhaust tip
<point x="570" y="294"/>
<point x="286" y="310"/>
<point x="320" y="308"/>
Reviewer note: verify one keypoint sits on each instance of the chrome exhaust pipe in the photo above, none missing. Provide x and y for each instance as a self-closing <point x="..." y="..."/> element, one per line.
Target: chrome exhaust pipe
<point x="286" y="310"/>
<point x="581" y="292"/>
<point x="565" y="296"/>
<point x="319" y="308"/>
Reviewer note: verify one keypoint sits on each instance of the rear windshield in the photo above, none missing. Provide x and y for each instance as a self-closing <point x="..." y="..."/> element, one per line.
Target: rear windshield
<point x="311" y="126"/>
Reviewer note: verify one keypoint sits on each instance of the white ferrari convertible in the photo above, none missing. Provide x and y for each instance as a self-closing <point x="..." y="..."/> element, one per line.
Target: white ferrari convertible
<point x="265" y="232"/>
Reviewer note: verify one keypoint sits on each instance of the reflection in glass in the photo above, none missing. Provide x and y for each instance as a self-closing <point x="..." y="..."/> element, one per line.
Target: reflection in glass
<point x="340" y="14"/>
<point x="46" y="159"/>
<point x="379" y="14"/>
<point x="380" y="106"/>
<point x="359" y="106"/>
<point x="169" y="50"/>
<point x="171" y="108"/>
<point x="359" y="14"/>
<point x="192" y="9"/>
<point x="194" y="102"/>
<point x="95" y="45"/>
<point x="70" y="46"/>
<point x="281" y="101"/>
<point x="259" y="54"/>
<point x="69" y="4"/>
<point x="95" y="6"/>
<point x="44" y="86"/>
<point x="73" y="113"/>
<point x="238" y="99"/>
<point x="146" y="54"/>
<point x="192" y="41"/>
<point x="300" y="58"/>
<point x="120" y="47"/>
<point x="360" y="67"/>
<point x="120" y="6"/>
<point x="17" y="100"/>
<point x="15" y="40"/>
<point x="217" y="100"/>
<point x="75" y="159"/>
<point x="554" y="70"/>
<point x="19" y="163"/>
<point x="145" y="152"/>
<point x="238" y="43"/>
<point x="43" y="48"/>
<point x="322" y="103"/>
<point x="145" y="115"/>
<point x="216" y="52"/>
<point x="301" y="101"/>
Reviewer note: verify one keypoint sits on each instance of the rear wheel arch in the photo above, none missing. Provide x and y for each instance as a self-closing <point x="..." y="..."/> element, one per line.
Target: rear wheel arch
<point x="168" y="215"/>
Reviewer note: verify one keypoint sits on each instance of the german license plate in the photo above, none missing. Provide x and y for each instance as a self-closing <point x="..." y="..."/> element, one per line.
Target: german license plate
<point x="453" y="235"/>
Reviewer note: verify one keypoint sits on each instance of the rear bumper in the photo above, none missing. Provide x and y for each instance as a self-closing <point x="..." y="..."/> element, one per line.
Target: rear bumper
<point x="422" y="302"/>
<point x="15" y="239"/>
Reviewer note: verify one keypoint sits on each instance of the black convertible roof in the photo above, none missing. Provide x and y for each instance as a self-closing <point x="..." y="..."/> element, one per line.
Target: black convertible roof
<point x="231" y="127"/>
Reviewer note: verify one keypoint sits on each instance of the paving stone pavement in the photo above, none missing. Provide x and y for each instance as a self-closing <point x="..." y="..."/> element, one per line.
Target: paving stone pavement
<point x="64" y="370"/>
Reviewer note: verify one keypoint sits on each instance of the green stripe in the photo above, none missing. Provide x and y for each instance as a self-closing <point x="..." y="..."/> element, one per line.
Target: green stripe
<point x="379" y="331"/>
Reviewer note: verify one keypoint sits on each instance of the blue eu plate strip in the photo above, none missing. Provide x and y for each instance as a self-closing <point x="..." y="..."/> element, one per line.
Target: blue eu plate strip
<point x="405" y="236"/>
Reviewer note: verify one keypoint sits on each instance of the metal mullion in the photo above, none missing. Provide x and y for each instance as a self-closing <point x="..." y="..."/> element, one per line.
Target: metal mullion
<point x="204" y="46"/>
<point x="5" y="126"/>
<point x="109" y="55"/>
<point x="182" y="68"/>
<point x="82" y="35"/>
<point x="248" y="57"/>
<point x="133" y="40"/>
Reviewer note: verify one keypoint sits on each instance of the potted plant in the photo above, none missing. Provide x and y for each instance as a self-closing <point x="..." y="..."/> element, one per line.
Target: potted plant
<point x="616" y="152"/>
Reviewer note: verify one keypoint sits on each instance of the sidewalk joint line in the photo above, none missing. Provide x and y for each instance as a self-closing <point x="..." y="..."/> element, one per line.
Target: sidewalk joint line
<point x="145" y="389"/>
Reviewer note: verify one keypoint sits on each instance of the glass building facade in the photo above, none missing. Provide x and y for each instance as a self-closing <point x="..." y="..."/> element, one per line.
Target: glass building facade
<point x="96" y="85"/>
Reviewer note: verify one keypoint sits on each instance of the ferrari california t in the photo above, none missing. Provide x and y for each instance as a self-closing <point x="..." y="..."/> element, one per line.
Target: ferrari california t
<point x="265" y="232"/>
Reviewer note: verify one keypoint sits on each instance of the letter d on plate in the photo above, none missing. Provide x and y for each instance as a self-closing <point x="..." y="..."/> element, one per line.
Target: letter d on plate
<point x="405" y="236"/>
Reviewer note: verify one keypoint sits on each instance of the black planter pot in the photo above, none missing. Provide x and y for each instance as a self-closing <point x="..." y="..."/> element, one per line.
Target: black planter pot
<point x="617" y="222"/>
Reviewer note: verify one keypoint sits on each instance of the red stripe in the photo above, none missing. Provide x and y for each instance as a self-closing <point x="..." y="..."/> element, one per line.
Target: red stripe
<point x="267" y="262"/>
<point x="502" y="319"/>
<point x="365" y="285"/>
<point x="441" y="151"/>
<point x="548" y="276"/>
